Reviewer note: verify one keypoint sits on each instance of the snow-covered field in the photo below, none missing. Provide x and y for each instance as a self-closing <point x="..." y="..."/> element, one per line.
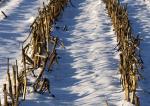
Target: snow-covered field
<point x="87" y="73"/>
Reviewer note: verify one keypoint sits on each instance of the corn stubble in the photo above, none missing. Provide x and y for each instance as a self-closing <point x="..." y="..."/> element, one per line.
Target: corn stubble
<point x="128" y="46"/>
<point x="38" y="52"/>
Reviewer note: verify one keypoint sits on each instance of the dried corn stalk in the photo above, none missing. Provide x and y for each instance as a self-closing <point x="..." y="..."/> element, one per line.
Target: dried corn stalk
<point x="128" y="46"/>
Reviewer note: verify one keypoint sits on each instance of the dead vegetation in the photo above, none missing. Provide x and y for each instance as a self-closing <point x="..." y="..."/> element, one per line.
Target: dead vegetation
<point x="128" y="46"/>
<point x="38" y="52"/>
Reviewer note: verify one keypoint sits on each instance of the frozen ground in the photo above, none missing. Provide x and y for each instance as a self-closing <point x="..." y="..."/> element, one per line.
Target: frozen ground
<point x="87" y="71"/>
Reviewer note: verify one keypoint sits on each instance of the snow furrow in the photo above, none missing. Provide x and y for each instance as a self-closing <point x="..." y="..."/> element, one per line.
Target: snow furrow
<point x="87" y="73"/>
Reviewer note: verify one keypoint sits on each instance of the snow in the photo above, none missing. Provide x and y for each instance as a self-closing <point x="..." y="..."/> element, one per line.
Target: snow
<point x="8" y="6"/>
<point x="87" y="73"/>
